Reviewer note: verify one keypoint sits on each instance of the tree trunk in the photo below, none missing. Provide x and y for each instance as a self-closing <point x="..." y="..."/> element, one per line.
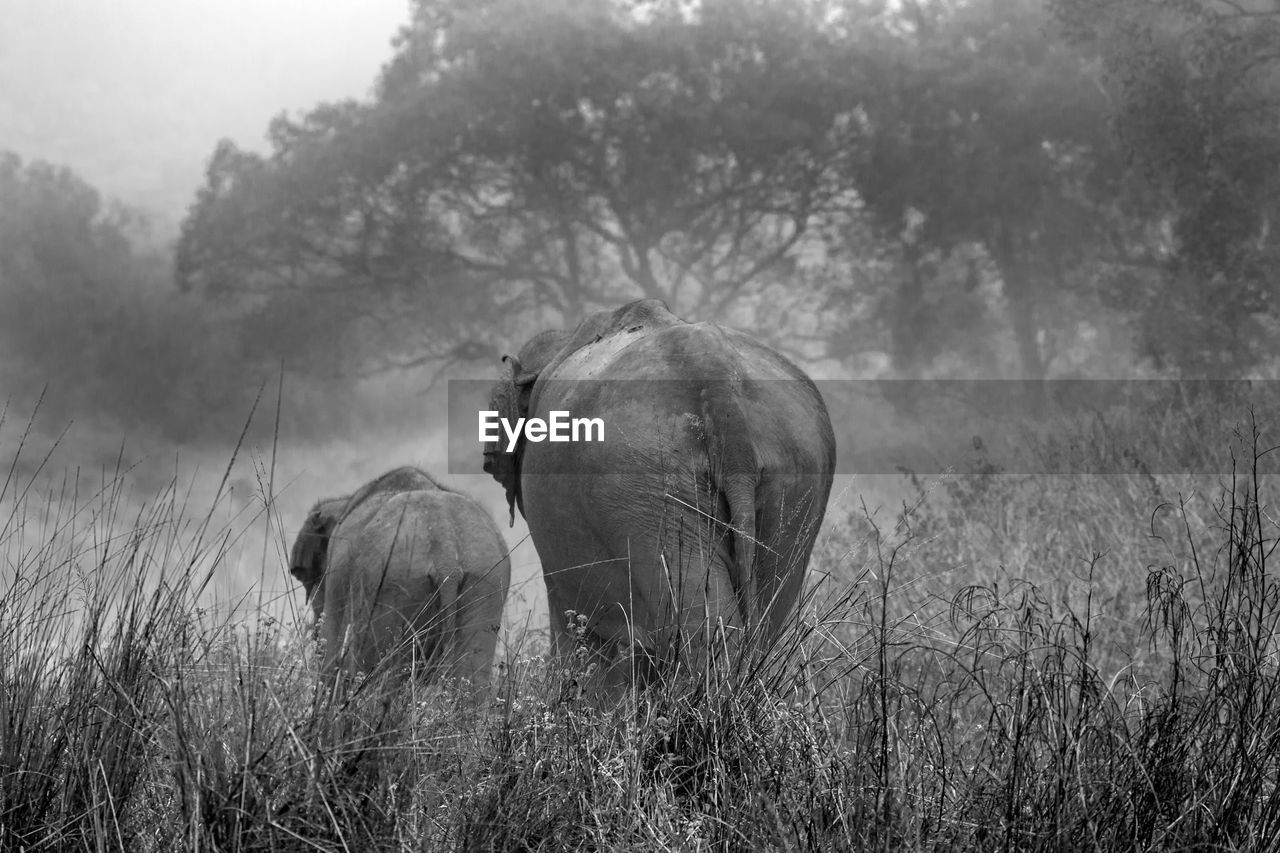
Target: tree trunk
<point x="908" y="316"/>
<point x="1020" y="295"/>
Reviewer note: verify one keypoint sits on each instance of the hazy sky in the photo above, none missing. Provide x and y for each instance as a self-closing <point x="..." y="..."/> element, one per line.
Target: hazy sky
<point x="133" y="94"/>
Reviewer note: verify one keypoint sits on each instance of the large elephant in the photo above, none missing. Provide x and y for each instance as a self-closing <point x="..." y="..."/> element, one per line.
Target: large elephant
<point x="696" y="514"/>
<point x="404" y="568"/>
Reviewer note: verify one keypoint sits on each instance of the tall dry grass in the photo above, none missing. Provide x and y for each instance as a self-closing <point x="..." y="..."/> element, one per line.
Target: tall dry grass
<point x="1009" y="664"/>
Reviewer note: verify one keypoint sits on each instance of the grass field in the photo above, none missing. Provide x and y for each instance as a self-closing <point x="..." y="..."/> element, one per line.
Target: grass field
<point x="1027" y="662"/>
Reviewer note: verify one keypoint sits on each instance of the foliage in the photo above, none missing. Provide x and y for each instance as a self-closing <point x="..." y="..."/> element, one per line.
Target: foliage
<point x="836" y="172"/>
<point x="539" y="160"/>
<point x="85" y="314"/>
<point x="1195" y="86"/>
<point x="988" y="148"/>
<point x="91" y="326"/>
<point x="941" y="180"/>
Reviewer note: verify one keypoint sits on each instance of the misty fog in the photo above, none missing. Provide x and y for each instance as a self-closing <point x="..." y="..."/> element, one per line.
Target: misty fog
<point x="263" y="237"/>
<point x="133" y="95"/>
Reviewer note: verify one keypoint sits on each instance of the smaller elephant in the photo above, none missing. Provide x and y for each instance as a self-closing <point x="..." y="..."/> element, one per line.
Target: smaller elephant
<point x="404" y="569"/>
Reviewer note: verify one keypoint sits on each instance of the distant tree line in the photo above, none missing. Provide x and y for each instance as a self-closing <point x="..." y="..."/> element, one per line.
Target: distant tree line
<point x="92" y="323"/>
<point x="909" y="173"/>
<point x="82" y="312"/>
<point x="993" y="187"/>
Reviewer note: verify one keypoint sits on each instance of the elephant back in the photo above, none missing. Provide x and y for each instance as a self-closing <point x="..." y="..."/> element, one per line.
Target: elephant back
<point x="403" y="479"/>
<point x="676" y="351"/>
<point x="597" y="339"/>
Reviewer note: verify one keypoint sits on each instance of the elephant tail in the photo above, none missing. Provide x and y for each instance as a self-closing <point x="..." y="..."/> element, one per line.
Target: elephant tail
<point x="735" y="471"/>
<point x="449" y="616"/>
<point x="438" y="621"/>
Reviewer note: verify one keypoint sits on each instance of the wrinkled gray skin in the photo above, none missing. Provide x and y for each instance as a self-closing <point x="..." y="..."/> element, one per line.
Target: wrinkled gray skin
<point x="404" y="568"/>
<point x="701" y="506"/>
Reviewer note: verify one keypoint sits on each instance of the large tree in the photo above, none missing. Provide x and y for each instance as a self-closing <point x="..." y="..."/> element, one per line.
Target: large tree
<point x="533" y="160"/>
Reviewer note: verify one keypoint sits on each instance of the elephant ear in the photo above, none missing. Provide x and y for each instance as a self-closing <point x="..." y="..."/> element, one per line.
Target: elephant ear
<point x="310" y="554"/>
<point x="511" y="399"/>
<point x="523" y="380"/>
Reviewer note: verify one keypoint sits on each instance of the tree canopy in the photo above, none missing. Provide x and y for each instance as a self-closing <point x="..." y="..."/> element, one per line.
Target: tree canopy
<point x="91" y="323"/>
<point x="989" y="140"/>
<point x="1196" y="87"/>
<point x="547" y="158"/>
<point x="869" y="175"/>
